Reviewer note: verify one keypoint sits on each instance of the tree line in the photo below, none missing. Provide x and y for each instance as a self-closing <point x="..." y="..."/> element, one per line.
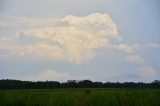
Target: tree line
<point x="8" y="84"/>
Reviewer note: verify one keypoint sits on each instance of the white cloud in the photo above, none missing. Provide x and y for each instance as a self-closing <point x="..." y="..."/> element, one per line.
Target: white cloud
<point x="72" y="39"/>
<point x="99" y="24"/>
<point x="135" y="59"/>
<point x="50" y="75"/>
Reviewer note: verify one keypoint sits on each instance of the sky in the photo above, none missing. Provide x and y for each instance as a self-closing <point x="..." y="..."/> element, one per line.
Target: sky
<point x="99" y="40"/>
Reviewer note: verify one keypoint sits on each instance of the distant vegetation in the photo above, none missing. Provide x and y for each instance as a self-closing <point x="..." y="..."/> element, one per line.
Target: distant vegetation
<point x="79" y="93"/>
<point x="17" y="84"/>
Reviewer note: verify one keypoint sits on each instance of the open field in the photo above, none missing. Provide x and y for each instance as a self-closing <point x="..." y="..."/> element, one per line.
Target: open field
<point x="81" y="97"/>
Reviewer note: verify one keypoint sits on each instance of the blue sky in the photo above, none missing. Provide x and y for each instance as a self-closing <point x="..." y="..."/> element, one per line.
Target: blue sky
<point x="100" y="40"/>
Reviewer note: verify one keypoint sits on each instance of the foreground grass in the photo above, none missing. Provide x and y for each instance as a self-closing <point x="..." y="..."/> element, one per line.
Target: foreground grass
<point x="81" y="97"/>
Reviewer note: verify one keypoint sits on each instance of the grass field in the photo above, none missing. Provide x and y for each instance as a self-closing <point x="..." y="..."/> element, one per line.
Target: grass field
<point x="81" y="97"/>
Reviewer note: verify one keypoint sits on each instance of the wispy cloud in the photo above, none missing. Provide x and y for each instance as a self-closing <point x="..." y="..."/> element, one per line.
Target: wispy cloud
<point x="132" y="51"/>
<point x="148" y="72"/>
<point x="132" y="48"/>
<point x="49" y="75"/>
<point x="124" y="48"/>
<point x="135" y="59"/>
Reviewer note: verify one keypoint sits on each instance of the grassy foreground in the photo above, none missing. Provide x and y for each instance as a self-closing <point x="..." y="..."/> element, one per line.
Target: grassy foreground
<point x="81" y="97"/>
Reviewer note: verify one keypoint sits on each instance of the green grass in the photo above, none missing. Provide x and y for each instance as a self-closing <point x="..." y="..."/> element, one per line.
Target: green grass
<point x="81" y="97"/>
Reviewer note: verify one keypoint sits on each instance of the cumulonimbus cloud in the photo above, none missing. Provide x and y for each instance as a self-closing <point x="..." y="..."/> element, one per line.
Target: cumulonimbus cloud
<point x="71" y="38"/>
